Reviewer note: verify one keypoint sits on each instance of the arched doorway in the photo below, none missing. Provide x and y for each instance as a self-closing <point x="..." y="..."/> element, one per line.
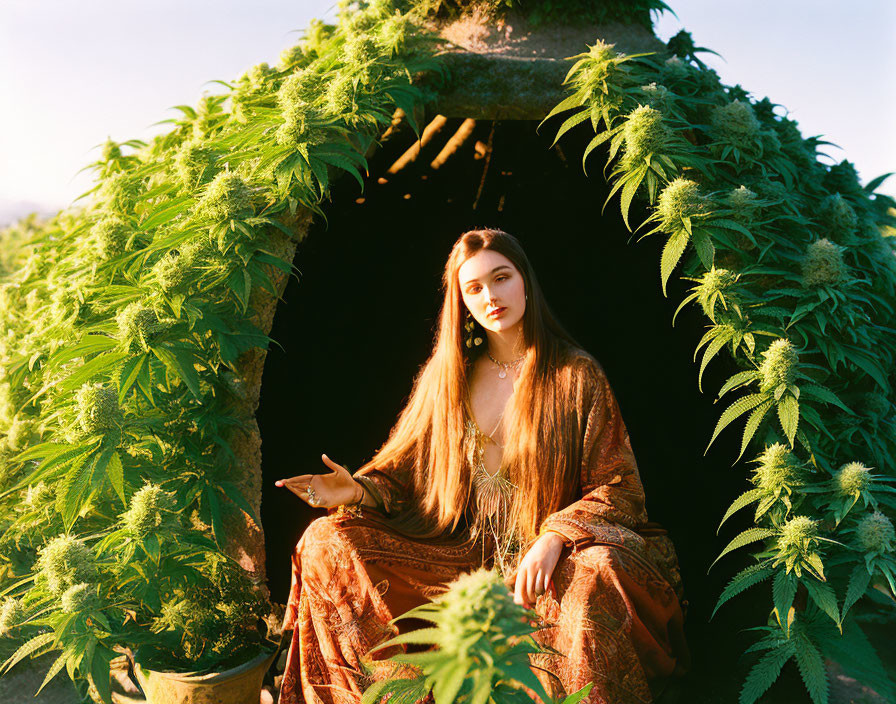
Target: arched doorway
<point x="361" y="321"/>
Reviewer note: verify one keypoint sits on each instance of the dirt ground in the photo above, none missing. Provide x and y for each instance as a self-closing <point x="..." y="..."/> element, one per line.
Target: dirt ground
<point x="20" y="684"/>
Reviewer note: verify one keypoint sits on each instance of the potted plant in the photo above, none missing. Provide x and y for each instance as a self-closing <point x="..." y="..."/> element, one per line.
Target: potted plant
<point x="191" y="615"/>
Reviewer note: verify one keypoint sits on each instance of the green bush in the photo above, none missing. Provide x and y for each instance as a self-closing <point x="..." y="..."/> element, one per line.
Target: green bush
<point x="122" y="324"/>
<point x="787" y="249"/>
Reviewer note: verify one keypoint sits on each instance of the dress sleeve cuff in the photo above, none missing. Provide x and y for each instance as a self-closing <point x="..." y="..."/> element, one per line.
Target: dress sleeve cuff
<point x="574" y="536"/>
<point x="374" y="491"/>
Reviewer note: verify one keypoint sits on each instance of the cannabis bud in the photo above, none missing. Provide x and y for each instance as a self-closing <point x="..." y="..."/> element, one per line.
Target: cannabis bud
<point x="778" y="470"/>
<point x="79" y="598"/>
<point x="843" y="178"/>
<point x="340" y="95"/>
<point x="359" y="24"/>
<point x="193" y="163"/>
<point x="227" y="197"/>
<point x="18" y="434"/>
<point x="63" y="562"/>
<point x="657" y="96"/>
<point x="291" y="56"/>
<point x="115" y="193"/>
<point x="97" y="407"/>
<point x="12" y="613"/>
<point x="138" y="326"/>
<point x="800" y="533"/>
<point x="779" y="366"/>
<point x="38" y="495"/>
<point x="823" y="264"/>
<point x="675" y="67"/>
<point x="111" y="150"/>
<point x="360" y="51"/>
<point x="257" y="77"/>
<point x="852" y="479"/>
<point x="477" y="603"/>
<point x="111" y="235"/>
<point x="317" y="34"/>
<point x="838" y="217"/>
<point x="150" y="509"/>
<point x="178" y="269"/>
<point x="596" y="70"/>
<point x="172" y="272"/>
<point x="393" y="33"/>
<point x="714" y="284"/>
<point x="381" y="8"/>
<point x="645" y="133"/>
<point x="875" y="533"/>
<point x="742" y="201"/>
<point x="717" y="281"/>
<point x="299" y="88"/>
<point x="680" y="199"/>
<point x="735" y="122"/>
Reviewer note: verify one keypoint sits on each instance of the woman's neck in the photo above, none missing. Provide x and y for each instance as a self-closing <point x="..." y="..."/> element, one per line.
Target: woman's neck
<point x="506" y="346"/>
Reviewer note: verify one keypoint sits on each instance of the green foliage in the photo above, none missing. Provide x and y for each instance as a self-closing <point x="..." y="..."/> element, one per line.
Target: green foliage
<point x="151" y="509"/>
<point x="823" y="264"/>
<point x="122" y="324"/>
<point x="480" y="643"/>
<point x="788" y="249"/>
<point x="64" y="561"/>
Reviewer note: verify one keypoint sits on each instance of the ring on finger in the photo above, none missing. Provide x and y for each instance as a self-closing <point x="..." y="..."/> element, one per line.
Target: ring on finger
<point x="312" y="497"/>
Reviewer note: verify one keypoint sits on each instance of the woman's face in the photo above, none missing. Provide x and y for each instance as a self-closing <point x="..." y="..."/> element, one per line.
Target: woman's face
<point x="490" y="282"/>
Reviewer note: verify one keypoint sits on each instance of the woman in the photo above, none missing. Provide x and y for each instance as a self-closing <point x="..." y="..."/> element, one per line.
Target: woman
<point x="510" y="453"/>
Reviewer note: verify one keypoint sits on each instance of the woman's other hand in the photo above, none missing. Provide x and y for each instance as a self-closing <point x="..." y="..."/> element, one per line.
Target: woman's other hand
<point x="330" y="490"/>
<point x="536" y="568"/>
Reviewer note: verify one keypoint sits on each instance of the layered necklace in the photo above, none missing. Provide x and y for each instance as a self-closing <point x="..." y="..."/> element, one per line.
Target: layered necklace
<point x="494" y="493"/>
<point x="504" y="366"/>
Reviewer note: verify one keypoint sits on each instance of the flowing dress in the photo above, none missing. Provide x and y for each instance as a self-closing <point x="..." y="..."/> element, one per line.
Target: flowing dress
<point x="615" y="608"/>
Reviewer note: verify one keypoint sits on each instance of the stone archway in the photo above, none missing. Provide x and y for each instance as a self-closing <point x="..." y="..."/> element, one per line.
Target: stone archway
<point x="360" y="322"/>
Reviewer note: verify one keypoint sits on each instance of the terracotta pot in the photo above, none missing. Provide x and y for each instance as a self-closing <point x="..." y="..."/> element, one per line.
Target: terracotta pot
<point x="238" y="685"/>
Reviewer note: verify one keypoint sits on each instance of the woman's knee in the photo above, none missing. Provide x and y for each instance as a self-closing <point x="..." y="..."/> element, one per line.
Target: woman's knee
<point x="326" y="540"/>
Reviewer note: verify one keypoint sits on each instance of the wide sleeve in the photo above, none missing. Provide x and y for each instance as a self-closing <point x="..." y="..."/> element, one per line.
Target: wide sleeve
<point x="390" y="487"/>
<point x="610" y="484"/>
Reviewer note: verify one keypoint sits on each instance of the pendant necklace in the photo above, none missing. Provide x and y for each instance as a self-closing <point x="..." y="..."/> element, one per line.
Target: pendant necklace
<point x="504" y="366"/>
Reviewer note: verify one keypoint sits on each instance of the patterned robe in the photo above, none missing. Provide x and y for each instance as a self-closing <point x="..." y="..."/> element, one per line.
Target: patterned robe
<point x="615" y="607"/>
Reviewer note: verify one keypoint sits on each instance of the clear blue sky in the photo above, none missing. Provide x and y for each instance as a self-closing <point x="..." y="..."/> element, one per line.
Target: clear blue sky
<point x="73" y="73"/>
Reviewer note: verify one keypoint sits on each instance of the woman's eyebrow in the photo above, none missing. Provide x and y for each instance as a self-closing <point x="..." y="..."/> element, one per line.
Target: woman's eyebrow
<point x="501" y="266"/>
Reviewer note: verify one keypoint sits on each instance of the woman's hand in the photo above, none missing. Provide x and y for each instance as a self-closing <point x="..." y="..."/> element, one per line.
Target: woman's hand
<point x="536" y="568"/>
<point x="337" y="487"/>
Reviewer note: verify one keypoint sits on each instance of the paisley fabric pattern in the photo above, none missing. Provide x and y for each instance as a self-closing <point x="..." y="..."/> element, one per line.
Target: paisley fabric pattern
<point x="614" y="611"/>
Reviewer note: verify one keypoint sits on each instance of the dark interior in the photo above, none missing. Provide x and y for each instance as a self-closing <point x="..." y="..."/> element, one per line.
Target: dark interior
<point x="357" y="327"/>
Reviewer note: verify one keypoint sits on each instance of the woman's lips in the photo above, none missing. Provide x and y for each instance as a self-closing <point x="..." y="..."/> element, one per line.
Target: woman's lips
<point x="495" y="313"/>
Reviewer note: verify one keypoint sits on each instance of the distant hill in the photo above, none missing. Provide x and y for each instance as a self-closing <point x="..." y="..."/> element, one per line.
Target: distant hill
<point x="13" y="210"/>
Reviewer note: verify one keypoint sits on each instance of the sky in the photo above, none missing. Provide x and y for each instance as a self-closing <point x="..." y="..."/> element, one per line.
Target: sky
<point x="74" y="73"/>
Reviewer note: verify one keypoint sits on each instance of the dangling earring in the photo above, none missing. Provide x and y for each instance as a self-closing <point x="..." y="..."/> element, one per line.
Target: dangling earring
<point x="468" y="326"/>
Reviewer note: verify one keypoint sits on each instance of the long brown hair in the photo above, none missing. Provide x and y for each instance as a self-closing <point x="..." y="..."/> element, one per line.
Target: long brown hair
<point x="543" y="436"/>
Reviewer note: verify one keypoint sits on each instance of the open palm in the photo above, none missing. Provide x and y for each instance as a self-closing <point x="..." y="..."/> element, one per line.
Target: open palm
<point x="329" y="490"/>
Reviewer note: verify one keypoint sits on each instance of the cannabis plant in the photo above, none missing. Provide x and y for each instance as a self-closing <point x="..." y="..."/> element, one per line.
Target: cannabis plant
<point x="123" y="328"/>
<point x="480" y="643"/>
<point x="788" y="249"/>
